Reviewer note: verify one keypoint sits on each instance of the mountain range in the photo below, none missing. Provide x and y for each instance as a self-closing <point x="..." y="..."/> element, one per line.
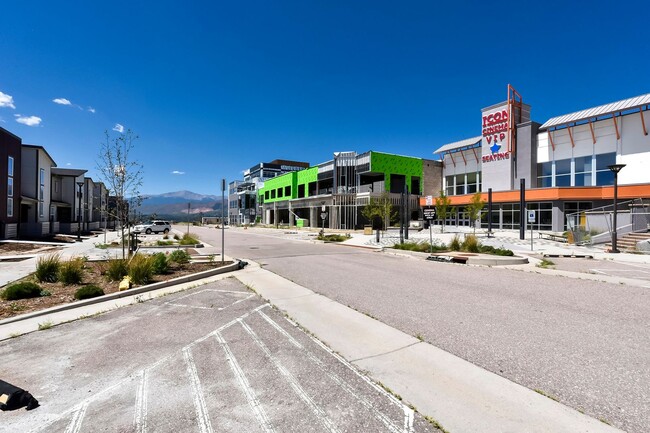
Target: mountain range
<point x="173" y="205"/>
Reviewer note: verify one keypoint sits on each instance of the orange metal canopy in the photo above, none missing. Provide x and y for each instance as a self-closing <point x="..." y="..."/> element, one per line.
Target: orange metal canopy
<point x="550" y="194"/>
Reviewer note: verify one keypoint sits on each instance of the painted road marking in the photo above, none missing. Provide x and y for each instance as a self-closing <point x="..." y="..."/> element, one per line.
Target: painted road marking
<point x="77" y="419"/>
<point x="175" y="303"/>
<point x="408" y="412"/>
<point x="385" y="419"/>
<point x="140" y="418"/>
<point x="245" y="386"/>
<point x="300" y="392"/>
<point x="199" y="399"/>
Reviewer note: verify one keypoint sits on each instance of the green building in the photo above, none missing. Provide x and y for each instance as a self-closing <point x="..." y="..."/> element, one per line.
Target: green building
<point x="338" y="189"/>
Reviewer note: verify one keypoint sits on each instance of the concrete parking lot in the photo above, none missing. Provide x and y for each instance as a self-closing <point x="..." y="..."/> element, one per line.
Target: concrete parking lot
<point x="214" y="358"/>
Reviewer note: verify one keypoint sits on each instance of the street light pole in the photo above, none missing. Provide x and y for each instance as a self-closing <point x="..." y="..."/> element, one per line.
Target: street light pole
<point x="615" y="168"/>
<point x="80" y="185"/>
<point x="223" y="222"/>
<point x="188" y="218"/>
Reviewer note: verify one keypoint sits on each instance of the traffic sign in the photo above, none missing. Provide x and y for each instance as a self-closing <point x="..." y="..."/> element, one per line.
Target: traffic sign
<point x="323" y="215"/>
<point x="429" y="214"/>
<point x="531" y="216"/>
<point x="428" y="200"/>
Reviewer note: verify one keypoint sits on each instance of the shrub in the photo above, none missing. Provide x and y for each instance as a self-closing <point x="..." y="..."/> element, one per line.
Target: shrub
<point x="117" y="269"/>
<point x="487" y="249"/>
<point x="189" y="239"/>
<point x="159" y="264"/>
<point x="22" y="290"/>
<point x="87" y="292"/>
<point x="454" y="245"/>
<point x="332" y="238"/>
<point x="470" y="244"/>
<point x="47" y="268"/>
<point x="179" y="256"/>
<point x="164" y="243"/>
<point x="140" y="269"/>
<point x="176" y="236"/>
<point x="71" y="271"/>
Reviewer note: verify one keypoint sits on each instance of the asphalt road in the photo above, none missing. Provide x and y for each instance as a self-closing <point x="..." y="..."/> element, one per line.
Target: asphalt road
<point x="584" y="343"/>
<point x="213" y="358"/>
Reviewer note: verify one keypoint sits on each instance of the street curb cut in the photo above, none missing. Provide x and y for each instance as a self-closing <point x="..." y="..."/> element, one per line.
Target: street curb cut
<point x="117" y="295"/>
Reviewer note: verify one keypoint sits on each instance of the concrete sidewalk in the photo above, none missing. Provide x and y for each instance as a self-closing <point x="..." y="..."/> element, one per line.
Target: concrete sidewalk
<point x="459" y="395"/>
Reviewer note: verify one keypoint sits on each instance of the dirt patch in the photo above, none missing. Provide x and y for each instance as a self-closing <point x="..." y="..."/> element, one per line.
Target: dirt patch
<point x="18" y="248"/>
<point x="61" y="294"/>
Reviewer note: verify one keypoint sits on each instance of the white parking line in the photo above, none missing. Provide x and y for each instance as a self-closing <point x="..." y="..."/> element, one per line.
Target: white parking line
<point x="140" y="418"/>
<point x="385" y="419"/>
<point x="245" y="386"/>
<point x="77" y="419"/>
<point x="320" y="413"/>
<point x="131" y="377"/>
<point x="199" y="399"/>
<point x="408" y="412"/>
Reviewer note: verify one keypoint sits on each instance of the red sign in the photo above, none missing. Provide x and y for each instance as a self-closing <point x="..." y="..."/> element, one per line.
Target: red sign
<point x="495" y="122"/>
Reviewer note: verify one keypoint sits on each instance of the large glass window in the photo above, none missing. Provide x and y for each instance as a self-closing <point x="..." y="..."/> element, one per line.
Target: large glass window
<point x="472" y="183"/>
<point x="449" y="185"/>
<point x="545" y="174"/>
<point x="604" y="176"/>
<point x="583" y="171"/>
<point x="563" y="172"/>
<point x="460" y="184"/>
<point x="10" y="166"/>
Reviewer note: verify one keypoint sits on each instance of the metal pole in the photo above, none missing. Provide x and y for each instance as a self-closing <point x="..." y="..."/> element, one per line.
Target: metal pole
<point x="79" y="214"/>
<point x="401" y="219"/>
<point x="223" y="222"/>
<point x="489" y="212"/>
<point x="407" y="212"/>
<point x="188" y="219"/>
<point x="522" y="212"/>
<point x="614" y="233"/>
<point x="430" y="237"/>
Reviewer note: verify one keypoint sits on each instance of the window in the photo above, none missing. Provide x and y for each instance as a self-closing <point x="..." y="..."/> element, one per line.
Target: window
<point x="460" y="184"/>
<point x="583" y="171"/>
<point x="10" y="166"/>
<point x="42" y="176"/>
<point x="449" y="184"/>
<point x="272" y="193"/>
<point x="10" y="187"/>
<point x="545" y="174"/>
<point x="266" y="195"/>
<point x="604" y="176"/>
<point x="287" y="191"/>
<point x="10" y="207"/>
<point x="563" y="172"/>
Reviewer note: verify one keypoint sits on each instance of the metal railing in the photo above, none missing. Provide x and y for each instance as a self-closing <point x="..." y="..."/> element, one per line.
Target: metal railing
<point x="594" y="226"/>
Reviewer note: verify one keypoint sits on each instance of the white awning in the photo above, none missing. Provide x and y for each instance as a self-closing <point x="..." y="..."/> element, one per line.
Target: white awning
<point x="457" y="146"/>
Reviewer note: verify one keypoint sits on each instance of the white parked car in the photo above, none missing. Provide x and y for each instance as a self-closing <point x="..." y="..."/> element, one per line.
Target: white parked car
<point x="156" y="226"/>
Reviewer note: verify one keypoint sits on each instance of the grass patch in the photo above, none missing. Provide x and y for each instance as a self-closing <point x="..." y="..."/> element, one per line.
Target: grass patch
<point x="87" y="292"/>
<point x="45" y="325"/>
<point x="455" y="244"/>
<point x="140" y="269"/>
<point x="422" y="247"/>
<point x="71" y="271"/>
<point x="116" y="269"/>
<point x="189" y="239"/>
<point x="470" y="244"/>
<point x="47" y="268"/>
<point x="488" y="249"/>
<point x="539" y="391"/>
<point x="545" y="263"/>
<point x="332" y="238"/>
<point x="164" y="243"/>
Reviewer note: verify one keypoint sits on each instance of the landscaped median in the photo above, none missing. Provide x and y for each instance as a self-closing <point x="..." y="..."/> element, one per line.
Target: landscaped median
<point x="56" y="285"/>
<point x="468" y="251"/>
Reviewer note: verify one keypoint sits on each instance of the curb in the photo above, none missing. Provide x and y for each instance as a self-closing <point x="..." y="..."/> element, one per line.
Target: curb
<point x="117" y="295"/>
<point x="571" y="255"/>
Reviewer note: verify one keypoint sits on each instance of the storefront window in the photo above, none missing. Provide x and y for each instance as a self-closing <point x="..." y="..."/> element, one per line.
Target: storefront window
<point x="545" y="174"/>
<point x="449" y="184"/>
<point x="460" y="184"/>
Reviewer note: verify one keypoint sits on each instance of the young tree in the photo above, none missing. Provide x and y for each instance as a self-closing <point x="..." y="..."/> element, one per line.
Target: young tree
<point x="474" y="209"/>
<point x="380" y="207"/>
<point x="443" y="208"/>
<point x="121" y="174"/>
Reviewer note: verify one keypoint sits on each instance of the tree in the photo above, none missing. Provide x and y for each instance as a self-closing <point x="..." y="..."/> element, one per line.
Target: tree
<point x="443" y="208"/>
<point x="474" y="208"/>
<point x="380" y="207"/>
<point x="121" y="174"/>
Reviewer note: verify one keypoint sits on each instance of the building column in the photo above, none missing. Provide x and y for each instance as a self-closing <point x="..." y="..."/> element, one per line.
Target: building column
<point x="292" y="217"/>
<point x="313" y="217"/>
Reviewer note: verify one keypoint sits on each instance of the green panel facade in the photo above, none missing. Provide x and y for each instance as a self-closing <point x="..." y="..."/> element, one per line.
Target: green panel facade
<point x="396" y="164"/>
<point x="277" y="188"/>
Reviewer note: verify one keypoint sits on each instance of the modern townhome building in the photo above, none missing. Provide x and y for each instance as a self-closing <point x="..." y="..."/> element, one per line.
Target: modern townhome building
<point x="242" y="194"/>
<point x="97" y="202"/>
<point x="67" y="196"/>
<point x="36" y="218"/>
<point x="338" y="189"/>
<point x="567" y="165"/>
<point x="10" y="177"/>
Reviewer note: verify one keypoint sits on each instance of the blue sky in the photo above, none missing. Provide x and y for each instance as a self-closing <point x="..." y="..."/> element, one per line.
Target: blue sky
<point x="212" y="88"/>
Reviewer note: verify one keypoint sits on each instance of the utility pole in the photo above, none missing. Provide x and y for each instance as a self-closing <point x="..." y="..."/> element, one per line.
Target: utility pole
<point x="223" y="221"/>
<point x="188" y="218"/>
